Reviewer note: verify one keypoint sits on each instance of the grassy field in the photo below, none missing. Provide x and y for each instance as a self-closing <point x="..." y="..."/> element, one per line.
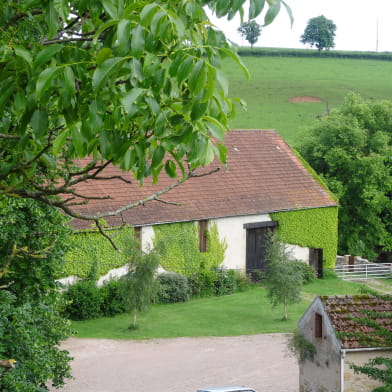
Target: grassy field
<point x="274" y="80"/>
<point x="244" y="313"/>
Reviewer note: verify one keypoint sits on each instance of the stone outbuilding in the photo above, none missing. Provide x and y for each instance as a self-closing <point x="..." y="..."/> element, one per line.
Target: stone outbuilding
<point x="331" y="325"/>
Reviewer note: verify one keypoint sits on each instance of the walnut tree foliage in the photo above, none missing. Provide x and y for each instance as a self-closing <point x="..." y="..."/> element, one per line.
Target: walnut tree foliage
<point x="319" y="32"/>
<point x="352" y="149"/>
<point x="132" y="83"/>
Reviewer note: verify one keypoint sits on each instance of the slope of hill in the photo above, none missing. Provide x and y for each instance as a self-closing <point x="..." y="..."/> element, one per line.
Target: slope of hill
<point x="276" y="93"/>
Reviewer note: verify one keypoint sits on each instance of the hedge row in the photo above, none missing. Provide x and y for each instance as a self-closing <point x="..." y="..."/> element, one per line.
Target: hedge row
<point x="246" y="51"/>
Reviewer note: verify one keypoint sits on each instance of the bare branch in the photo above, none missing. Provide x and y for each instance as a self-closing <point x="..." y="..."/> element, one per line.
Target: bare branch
<point x="168" y="202"/>
<point x="102" y="231"/>
<point x="11" y="137"/>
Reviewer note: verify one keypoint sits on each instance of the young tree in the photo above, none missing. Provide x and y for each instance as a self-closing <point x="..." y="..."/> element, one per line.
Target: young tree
<point x="139" y="286"/>
<point x="351" y="149"/>
<point x="319" y="32"/>
<point x="250" y="31"/>
<point x="284" y="280"/>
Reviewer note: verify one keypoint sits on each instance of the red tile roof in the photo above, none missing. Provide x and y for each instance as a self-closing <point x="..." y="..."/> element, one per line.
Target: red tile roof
<point x="263" y="175"/>
<point x="344" y="311"/>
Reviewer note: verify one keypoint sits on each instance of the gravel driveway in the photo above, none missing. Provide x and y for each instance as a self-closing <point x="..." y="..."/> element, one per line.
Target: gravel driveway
<point x="182" y="364"/>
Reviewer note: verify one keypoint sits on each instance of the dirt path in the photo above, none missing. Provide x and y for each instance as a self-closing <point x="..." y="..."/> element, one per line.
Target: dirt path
<point x="182" y="364"/>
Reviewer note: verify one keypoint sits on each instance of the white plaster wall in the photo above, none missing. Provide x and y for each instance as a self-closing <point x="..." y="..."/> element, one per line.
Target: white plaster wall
<point x="232" y="230"/>
<point x="299" y="253"/>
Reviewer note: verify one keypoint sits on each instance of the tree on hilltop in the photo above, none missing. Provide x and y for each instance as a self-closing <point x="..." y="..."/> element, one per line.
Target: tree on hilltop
<point x="319" y="32"/>
<point x="250" y="31"/>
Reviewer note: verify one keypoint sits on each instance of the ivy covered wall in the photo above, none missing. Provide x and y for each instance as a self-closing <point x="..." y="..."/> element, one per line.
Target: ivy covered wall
<point x="312" y="228"/>
<point x="178" y="247"/>
<point x="88" y="247"/>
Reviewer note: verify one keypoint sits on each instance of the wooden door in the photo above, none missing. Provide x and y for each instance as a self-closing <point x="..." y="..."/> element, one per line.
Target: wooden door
<point x="316" y="261"/>
<point x="256" y="249"/>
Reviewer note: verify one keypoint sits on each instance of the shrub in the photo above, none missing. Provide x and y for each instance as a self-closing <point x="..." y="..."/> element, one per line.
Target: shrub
<point x="112" y="301"/>
<point x="173" y="287"/>
<point x="202" y="283"/>
<point x="242" y="281"/>
<point x="83" y="301"/>
<point x="225" y="282"/>
<point x="308" y="274"/>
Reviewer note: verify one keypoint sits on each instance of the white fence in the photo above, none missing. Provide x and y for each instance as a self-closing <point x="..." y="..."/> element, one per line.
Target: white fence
<point x="364" y="271"/>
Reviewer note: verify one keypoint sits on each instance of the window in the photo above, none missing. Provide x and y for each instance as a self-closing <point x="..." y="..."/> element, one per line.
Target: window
<point x="318" y="326"/>
<point x="203" y="225"/>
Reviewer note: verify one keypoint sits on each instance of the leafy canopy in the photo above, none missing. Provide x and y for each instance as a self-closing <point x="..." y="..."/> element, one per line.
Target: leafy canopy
<point x="351" y="149"/>
<point x="250" y="31"/>
<point x="127" y="82"/>
<point x="319" y="32"/>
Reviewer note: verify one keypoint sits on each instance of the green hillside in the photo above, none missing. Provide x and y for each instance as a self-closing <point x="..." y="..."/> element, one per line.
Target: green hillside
<point x="274" y="80"/>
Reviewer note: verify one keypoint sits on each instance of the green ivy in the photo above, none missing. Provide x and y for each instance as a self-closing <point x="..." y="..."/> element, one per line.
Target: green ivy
<point x="178" y="246"/>
<point x="90" y="247"/>
<point x="312" y="228"/>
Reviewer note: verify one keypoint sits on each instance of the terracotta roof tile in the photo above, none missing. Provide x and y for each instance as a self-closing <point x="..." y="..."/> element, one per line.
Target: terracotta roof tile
<point x="344" y="312"/>
<point x="263" y="176"/>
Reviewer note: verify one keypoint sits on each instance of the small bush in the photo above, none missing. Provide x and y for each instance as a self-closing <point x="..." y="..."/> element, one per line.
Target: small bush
<point x="173" y="287"/>
<point x="83" y="301"/>
<point x="112" y="301"/>
<point x="242" y="281"/>
<point x="308" y="274"/>
<point x="202" y="283"/>
<point x="225" y="282"/>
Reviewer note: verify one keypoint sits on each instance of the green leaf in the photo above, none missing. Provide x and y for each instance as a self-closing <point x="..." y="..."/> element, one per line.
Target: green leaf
<point x="78" y="142"/>
<point x="59" y="141"/>
<point x="255" y="7"/>
<point x="272" y="12"/>
<point x="157" y="158"/>
<point x="156" y="21"/>
<point x="197" y="78"/>
<point x="153" y="104"/>
<point x="289" y="11"/>
<point x="148" y="13"/>
<point x="222" y="7"/>
<point x="170" y="169"/>
<point x="24" y="54"/>
<point x="110" y="8"/>
<point x="44" y="80"/>
<point x="103" y="55"/>
<point x="184" y="69"/>
<point x="46" y="54"/>
<point x="104" y="71"/>
<point x="217" y="129"/>
<point x="198" y="109"/>
<point x="52" y="20"/>
<point x="137" y="41"/>
<point x="39" y="122"/>
<point x="130" y="100"/>
<point x="237" y="59"/>
<point x="123" y="35"/>
<point x="102" y="28"/>
<point x="69" y="79"/>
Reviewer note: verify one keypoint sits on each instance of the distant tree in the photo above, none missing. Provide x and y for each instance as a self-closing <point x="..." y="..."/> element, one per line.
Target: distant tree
<point x="351" y="149"/>
<point x="250" y="31"/>
<point x="320" y="32"/>
<point x="284" y="279"/>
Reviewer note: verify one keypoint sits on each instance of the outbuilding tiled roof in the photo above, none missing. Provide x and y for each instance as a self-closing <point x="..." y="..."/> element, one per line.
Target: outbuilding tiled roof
<point x="263" y="175"/>
<point x="344" y="312"/>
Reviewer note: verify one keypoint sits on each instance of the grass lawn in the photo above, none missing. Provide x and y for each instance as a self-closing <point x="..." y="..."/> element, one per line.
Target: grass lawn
<point x="244" y="313"/>
<point x="274" y="80"/>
